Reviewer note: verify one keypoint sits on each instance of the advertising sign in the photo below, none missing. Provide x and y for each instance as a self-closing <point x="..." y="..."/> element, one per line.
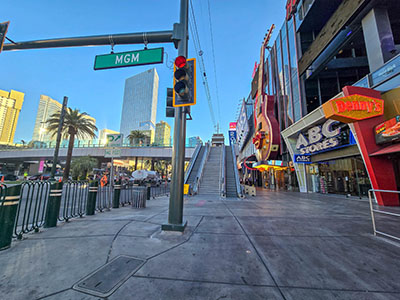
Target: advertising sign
<point x="242" y="127"/>
<point x="388" y="131"/>
<point x="232" y="125"/>
<point x="232" y="137"/>
<point x="329" y="136"/>
<point x="114" y="140"/>
<point x="302" y="159"/>
<point x="353" y="108"/>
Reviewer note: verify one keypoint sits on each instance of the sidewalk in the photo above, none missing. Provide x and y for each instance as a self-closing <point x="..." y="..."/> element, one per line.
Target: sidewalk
<point x="274" y="246"/>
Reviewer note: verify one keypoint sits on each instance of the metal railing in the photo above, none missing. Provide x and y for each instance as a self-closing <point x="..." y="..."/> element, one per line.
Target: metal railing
<point x="73" y="200"/>
<point x="377" y="211"/>
<point x="199" y="175"/>
<point x="104" y="198"/>
<point x="192" y="161"/>
<point x="157" y="191"/>
<point x="222" y="180"/>
<point x="32" y="207"/>
<point x="239" y="189"/>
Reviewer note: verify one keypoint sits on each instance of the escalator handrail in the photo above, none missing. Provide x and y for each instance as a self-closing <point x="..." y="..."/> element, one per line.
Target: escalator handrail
<point x="192" y="161"/>
<point x="235" y="171"/>
<point x="201" y="169"/>
<point x="222" y="183"/>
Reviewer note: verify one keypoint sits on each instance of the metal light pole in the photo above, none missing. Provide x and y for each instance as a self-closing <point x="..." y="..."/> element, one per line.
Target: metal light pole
<point x="175" y="213"/>
<point x="58" y="141"/>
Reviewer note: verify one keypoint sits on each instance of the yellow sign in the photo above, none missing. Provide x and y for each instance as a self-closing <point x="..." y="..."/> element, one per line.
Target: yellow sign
<point x="186" y="189"/>
<point x="353" y="108"/>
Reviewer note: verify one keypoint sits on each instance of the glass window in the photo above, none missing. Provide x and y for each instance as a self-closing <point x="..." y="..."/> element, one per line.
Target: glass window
<point x="294" y="72"/>
<point x="286" y="67"/>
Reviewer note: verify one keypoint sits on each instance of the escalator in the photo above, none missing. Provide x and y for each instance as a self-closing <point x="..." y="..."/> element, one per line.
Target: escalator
<point x="233" y="188"/>
<point x="192" y="171"/>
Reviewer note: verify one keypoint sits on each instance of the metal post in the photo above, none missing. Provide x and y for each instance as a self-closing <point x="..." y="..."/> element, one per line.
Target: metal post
<point x="53" y="205"/>
<point x="175" y="213"/>
<point x="91" y="202"/>
<point x="8" y="212"/>
<point x="59" y="132"/>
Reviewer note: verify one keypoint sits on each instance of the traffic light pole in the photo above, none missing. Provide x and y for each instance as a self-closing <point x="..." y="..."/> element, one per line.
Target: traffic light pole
<point x="175" y="213"/>
<point x="58" y="141"/>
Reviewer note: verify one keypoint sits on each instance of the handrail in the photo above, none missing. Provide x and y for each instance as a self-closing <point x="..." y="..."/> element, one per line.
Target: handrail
<point x="373" y="211"/>
<point x="222" y="180"/>
<point x="192" y="161"/>
<point x="235" y="171"/>
<point x="201" y="169"/>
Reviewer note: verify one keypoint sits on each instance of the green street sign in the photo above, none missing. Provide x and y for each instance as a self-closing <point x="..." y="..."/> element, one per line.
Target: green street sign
<point x="129" y="59"/>
<point x="115" y="140"/>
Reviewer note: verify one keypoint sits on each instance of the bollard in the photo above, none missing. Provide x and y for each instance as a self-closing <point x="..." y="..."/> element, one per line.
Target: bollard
<point x="148" y="192"/>
<point x="53" y="205"/>
<point x="117" y="194"/>
<point x="8" y="213"/>
<point x="91" y="202"/>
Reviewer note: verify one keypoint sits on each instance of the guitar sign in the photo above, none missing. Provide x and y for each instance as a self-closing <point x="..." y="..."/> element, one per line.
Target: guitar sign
<point x="266" y="138"/>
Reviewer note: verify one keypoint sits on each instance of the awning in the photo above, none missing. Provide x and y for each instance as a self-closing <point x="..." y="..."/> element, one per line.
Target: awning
<point x="389" y="149"/>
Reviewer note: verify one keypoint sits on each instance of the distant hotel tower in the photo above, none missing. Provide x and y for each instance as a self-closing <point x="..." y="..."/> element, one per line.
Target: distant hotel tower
<point x="10" y="106"/>
<point x="140" y="103"/>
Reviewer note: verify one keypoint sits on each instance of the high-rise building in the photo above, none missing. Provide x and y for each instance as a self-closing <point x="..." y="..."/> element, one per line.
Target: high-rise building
<point x="47" y="107"/>
<point x="103" y="135"/>
<point x="140" y="103"/>
<point x="193" y="141"/>
<point x="163" y="134"/>
<point x="10" y="106"/>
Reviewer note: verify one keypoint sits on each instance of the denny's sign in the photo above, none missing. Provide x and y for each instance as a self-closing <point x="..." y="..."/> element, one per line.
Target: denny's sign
<point x="353" y="108"/>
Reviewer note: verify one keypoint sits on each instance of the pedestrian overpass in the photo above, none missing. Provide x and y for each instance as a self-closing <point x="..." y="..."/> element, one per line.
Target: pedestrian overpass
<point x="30" y="154"/>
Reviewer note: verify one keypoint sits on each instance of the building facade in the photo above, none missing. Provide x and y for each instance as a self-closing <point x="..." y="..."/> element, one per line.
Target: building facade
<point x="163" y="134"/>
<point x="47" y="107"/>
<point x="325" y="56"/>
<point x="10" y="107"/>
<point x="103" y="135"/>
<point x="139" y="107"/>
<point x="193" y="141"/>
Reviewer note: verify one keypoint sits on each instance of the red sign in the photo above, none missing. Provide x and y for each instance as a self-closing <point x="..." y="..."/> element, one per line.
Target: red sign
<point x="388" y="131"/>
<point x="232" y="125"/>
<point x="353" y="108"/>
<point x="291" y="7"/>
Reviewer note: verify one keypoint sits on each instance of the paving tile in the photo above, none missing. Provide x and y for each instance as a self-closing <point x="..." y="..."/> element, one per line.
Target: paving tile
<point x="219" y="225"/>
<point x="158" y="289"/>
<point x="352" y="263"/>
<point x="210" y="257"/>
<point x="309" y="294"/>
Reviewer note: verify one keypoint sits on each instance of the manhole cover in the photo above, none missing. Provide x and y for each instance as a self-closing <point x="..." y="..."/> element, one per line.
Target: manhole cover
<point x="108" y="278"/>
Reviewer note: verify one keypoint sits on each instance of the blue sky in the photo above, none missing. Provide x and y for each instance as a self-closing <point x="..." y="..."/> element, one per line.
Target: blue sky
<point x="238" y="29"/>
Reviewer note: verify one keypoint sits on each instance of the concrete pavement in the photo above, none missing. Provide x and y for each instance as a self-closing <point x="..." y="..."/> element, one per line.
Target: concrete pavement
<point x="274" y="246"/>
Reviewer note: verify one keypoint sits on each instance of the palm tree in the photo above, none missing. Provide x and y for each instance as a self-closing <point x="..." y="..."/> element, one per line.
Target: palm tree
<point x="76" y="124"/>
<point x="136" y="136"/>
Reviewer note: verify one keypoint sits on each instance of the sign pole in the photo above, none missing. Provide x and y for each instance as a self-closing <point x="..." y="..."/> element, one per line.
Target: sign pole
<point x="175" y="213"/>
<point x="111" y="177"/>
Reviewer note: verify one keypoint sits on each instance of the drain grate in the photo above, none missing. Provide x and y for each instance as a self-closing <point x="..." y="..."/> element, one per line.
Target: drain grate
<point x="108" y="278"/>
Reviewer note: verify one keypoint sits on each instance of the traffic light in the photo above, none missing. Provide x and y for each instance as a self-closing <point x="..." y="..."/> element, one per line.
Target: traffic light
<point x="3" y="32"/>
<point x="170" y="110"/>
<point x="184" y="82"/>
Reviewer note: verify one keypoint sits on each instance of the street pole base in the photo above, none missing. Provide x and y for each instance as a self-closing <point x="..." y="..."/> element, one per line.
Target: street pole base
<point x="174" y="227"/>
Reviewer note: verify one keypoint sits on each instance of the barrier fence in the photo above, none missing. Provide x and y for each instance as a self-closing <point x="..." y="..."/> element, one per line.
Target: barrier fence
<point x="35" y="204"/>
<point x="371" y="194"/>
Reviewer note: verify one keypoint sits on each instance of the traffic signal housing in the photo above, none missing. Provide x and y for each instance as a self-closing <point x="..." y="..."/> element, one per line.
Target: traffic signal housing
<point x="3" y="32"/>
<point x="184" y="93"/>
<point x="170" y="109"/>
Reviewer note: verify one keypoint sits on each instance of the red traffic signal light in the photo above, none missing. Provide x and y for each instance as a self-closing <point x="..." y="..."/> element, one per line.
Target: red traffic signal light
<point x="180" y="62"/>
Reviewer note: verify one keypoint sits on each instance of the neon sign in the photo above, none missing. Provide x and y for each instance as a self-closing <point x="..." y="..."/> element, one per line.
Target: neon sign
<point x="291" y="7"/>
<point x="353" y="108"/>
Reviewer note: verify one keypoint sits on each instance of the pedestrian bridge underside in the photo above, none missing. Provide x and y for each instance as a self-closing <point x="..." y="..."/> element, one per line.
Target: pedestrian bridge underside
<point x="99" y="152"/>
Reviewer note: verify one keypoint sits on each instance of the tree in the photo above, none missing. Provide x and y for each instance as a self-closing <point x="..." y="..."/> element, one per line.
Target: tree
<point x="137" y="137"/>
<point x="76" y="124"/>
<point x="81" y="166"/>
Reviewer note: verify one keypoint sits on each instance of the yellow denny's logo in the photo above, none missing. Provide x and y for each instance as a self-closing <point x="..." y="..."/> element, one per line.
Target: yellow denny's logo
<point x="353" y="108"/>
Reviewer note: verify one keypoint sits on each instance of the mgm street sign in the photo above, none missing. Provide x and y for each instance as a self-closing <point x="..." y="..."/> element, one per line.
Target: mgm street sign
<point x="129" y="59"/>
<point x="115" y="140"/>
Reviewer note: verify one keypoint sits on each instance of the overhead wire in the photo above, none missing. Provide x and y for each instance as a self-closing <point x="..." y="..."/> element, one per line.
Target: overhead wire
<point x="199" y="55"/>
<point x="215" y="65"/>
